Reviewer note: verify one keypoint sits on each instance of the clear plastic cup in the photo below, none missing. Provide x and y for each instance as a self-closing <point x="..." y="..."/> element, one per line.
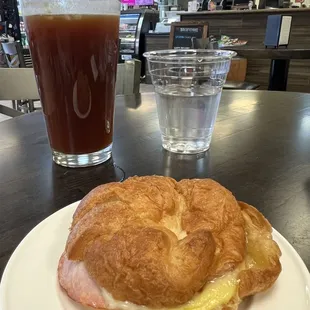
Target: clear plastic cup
<point x="188" y="87"/>
<point x="74" y="49"/>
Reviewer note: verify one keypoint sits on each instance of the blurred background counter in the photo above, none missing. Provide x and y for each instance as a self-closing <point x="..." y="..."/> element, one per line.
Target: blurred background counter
<point x="250" y="25"/>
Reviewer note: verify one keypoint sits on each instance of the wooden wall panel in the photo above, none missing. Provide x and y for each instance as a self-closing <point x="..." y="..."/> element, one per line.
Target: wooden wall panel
<point x="237" y="70"/>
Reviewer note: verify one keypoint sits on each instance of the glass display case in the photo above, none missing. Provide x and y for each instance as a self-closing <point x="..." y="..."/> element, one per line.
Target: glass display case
<point x="129" y="41"/>
<point x="134" y="24"/>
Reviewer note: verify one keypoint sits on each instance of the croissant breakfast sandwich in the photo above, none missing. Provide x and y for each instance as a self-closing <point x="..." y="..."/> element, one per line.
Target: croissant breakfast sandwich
<point x="154" y="243"/>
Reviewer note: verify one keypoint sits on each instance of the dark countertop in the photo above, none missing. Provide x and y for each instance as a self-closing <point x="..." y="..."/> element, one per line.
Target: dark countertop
<point x="260" y="52"/>
<point x="273" y="11"/>
<point x="260" y="151"/>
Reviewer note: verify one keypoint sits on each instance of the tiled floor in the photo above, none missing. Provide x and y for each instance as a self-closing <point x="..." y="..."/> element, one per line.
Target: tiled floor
<point x="144" y="88"/>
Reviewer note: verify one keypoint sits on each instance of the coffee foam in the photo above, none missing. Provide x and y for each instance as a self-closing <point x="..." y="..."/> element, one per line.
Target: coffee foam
<point x="70" y="7"/>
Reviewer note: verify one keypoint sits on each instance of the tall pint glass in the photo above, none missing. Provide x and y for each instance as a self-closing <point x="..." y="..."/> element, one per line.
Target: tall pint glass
<point x="74" y="49"/>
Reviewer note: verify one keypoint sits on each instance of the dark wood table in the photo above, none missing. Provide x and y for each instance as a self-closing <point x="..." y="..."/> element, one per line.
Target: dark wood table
<point x="280" y="61"/>
<point x="260" y="151"/>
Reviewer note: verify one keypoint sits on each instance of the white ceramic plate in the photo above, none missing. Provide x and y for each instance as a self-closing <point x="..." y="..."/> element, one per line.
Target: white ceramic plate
<point x="30" y="281"/>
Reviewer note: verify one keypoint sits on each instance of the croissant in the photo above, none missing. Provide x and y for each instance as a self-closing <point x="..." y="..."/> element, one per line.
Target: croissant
<point x="152" y="242"/>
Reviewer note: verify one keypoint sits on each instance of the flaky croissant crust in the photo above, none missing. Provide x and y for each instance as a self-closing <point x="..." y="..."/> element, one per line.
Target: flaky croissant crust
<point x="157" y="242"/>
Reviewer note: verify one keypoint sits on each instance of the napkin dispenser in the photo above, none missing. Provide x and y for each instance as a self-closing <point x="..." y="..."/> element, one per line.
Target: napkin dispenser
<point x="278" y="30"/>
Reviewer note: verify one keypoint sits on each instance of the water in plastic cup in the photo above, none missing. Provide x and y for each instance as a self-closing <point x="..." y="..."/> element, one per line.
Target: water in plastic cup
<point x="188" y="87"/>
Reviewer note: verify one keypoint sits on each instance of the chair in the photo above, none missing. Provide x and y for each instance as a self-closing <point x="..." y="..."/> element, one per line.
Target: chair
<point x="17" y="84"/>
<point x="20" y="84"/>
<point x="15" y="59"/>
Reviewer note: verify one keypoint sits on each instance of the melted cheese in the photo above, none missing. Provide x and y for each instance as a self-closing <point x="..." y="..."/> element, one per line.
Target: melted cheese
<point x="214" y="295"/>
<point x="120" y="305"/>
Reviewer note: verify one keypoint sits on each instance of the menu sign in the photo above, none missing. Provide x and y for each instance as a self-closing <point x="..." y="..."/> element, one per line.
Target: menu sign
<point x="183" y="34"/>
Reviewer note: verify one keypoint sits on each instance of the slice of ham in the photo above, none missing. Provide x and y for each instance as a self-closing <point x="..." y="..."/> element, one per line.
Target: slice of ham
<point x="75" y="280"/>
